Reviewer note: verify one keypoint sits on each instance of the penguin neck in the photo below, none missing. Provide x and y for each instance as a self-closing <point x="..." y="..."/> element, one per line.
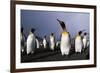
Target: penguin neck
<point x="85" y="36"/>
<point x="65" y="29"/>
<point x="21" y="33"/>
<point x="64" y="32"/>
<point x="44" y="37"/>
<point x="78" y="35"/>
<point x="52" y="35"/>
<point x="31" y="33"/>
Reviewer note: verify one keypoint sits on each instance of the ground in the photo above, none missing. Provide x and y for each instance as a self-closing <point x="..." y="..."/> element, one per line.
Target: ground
<point x="44" y="55"/>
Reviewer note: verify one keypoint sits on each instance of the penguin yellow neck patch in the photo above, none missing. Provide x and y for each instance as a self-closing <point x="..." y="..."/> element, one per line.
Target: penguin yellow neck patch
<point x="64" y="33"/>
<point x="78" y="37"/>
<point x="30" y="33"/>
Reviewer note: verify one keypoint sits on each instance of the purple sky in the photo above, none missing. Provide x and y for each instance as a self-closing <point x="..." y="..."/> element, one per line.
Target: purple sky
<point x="46" y="22"/>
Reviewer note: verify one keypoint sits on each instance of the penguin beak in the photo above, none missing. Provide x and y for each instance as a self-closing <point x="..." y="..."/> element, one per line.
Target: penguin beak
<point x="62" y="24"/>
<point x="58" y="20"/>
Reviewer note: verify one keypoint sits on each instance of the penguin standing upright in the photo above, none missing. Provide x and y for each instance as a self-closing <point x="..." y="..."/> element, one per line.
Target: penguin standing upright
<point x="85" y="40"/>
<point x="31" y="42"/>
<point x="37" y="43"/>
<point x="22" y="41"/>
<point x="44" y="42"/>
<point x="52" y="41"/>
<point x="65" y="40"/>
<point x="78" y="42"/>
<point x="57" y="44"/>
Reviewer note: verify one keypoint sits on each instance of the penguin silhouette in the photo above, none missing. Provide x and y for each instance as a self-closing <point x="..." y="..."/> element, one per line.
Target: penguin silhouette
<point x="52" y="41"/>
<point x="65" y="44"/>
<point x="37" y="43"/>
<point x="31" y="42"/>
<point x="44" y="42"/>
<point x="85" y="40"/>
<point x="22" y="41"/>
<point x="78" y="42"/>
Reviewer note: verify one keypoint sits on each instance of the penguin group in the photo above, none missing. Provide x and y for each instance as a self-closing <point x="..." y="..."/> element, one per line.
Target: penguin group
<point x="31" y="43"/>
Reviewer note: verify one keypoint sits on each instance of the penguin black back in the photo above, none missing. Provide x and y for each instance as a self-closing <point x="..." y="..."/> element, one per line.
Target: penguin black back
<point x="62" y="24"/>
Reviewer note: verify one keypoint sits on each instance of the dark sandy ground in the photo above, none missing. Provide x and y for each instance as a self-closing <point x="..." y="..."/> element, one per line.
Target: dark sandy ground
<point x="44" y="55"/>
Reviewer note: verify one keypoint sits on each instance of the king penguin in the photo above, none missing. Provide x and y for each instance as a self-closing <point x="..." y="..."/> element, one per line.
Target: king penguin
<point x="65" y="39"/>
<point x="22" y="41"/>
<point x="78" y="42"/>
<point x="37" y="43"/>
<point x="57" y="44"/>
<point x="44" y="42"/>
<point x="52" y="41"/>
<point x="31" y="42"/>
<point x="85" y="40"/>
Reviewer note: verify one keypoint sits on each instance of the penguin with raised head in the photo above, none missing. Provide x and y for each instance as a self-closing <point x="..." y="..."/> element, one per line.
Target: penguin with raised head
<point x="85" y="40"/>
<point x="31" y="42"/>
<point x="22" y="41"/>
<point x="52" y="41"/>
<point x="78" y="42"/>
<point x="44" y="42"/>
<point x="65" y="39"/>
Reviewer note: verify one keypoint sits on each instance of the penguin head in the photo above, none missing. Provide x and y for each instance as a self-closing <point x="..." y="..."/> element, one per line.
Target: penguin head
<point x="52" y="34"/>
<point x="22" y="30"/>
<point x="36" y="36"/>
<point x="62" y="24"/>
<point x="80" y="32"/>
<point x="32" y="30"/>
<point x="45" y="36"/>
<point x="85" y="33"/>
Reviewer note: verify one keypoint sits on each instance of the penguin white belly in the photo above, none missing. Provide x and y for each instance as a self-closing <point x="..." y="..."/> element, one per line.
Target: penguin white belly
<point x="88" y="43"/>
<point x="30" y="43"/>
<point x="52" y="43"/>
<point x="44" y="43"/>
<point x="65" y="44"/>
<point x="37" y="43"/>
<point x="78" y="44"/>
<point x="57" y="43"/>
<point x="22" y="43"/>
<point x="84" y="42"/>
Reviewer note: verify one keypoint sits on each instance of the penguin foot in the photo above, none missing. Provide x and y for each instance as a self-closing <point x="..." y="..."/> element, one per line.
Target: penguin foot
<point x="78" y="52"/>
<point x="66" y="53"/>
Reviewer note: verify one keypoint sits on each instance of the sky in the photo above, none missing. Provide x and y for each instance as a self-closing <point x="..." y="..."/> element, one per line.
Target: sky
<point x="45" y="22"/>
